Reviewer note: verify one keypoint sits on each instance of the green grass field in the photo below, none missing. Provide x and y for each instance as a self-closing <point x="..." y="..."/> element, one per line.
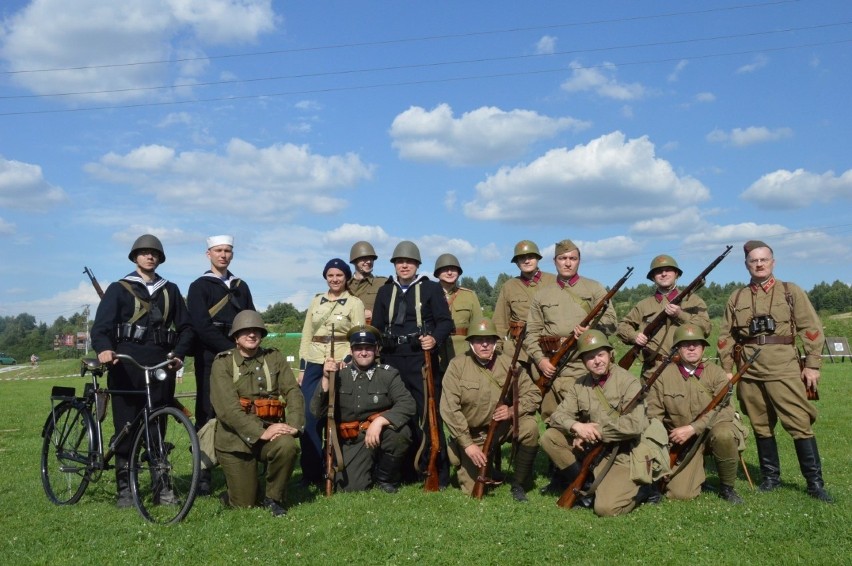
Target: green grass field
<point x="783" y="527"/>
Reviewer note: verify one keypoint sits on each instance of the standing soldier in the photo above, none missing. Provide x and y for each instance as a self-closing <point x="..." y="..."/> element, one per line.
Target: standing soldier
<point x="363" y="283"/>
<point x="463" y="303"/>
<point x="260" y="411"/>
<point x="471" y="399"/>
<point x="664" y="273"/>
<point x="769" y="314"/>
<point x="683" y="390"/>
<point x="373" y="416"/>
<point x="590" y="413"/>
<point x="413" y="317"/>
<point x="513" y="303"/>
<point x="213" y="300"/>
<point x="144" y="316"/>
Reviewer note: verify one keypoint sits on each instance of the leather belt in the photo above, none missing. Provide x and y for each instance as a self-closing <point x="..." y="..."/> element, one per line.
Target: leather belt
<point x="328" y="339"/>
<point x="459" y="332"/>
<point x="761" y="340"/>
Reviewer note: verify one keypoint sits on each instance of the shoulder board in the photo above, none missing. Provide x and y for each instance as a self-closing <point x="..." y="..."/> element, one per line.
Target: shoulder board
<point x="466" y="289"/>
<point x="269" y="350"/>
<point x="224" y="354"/>
<point x="385" y="366"/>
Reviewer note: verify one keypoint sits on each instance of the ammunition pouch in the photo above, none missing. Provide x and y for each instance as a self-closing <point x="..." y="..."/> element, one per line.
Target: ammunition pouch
<point x="128" y="332"/>
<point x="550" y="344"/>
<point x="266" y="409"/>
<point x="223" y="327"/>
<point x="515" y="329"/>
<point x="165" y="337"/>
<point x="352" y="429"/>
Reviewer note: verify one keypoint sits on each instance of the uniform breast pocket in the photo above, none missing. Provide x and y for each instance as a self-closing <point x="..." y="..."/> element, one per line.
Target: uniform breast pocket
<point x="520" y="304"/>
<point x="549" y="309"/>
<point x="377" y="398"/>
<point x="676" y="405"/>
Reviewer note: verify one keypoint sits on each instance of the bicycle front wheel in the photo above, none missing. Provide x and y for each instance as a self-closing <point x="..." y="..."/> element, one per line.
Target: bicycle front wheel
<point x="67" y="453"/>
<point x="165" y="465"/>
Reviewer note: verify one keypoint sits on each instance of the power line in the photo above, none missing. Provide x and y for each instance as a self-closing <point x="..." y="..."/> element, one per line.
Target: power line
<point x="404" y="40"/>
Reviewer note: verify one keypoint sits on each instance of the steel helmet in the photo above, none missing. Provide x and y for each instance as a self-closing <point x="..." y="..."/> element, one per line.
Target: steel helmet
<point x="408" y="250"/>
<point x="482" y="327"/>
<point x="361" y="249"/>
<point x="525" y="247"/>
<point x="689" y="332"/>
<point x="663" y="261"/>
<point x="248" y="319"/>
<point x="446" y="260"/>
<point x="147" y="242"/>
<point x="592" y="340"/>
<point x="363" y="334"/>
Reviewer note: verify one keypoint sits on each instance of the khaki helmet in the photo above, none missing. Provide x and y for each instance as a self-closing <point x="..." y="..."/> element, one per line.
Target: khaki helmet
<point x="592" y="340"/>
<point x="663" y="261"/>
<point x="525" y="247"/>
<point x="362" y="249"/>
<point x="408" y="250"/>
<point x="446" y="260"/>
<point x="689" y="332"/>
<point x="482" y="327"/>
<point x="363" y="334"/>
<point x="147" y="242"/>
<point x="248" y="319"/>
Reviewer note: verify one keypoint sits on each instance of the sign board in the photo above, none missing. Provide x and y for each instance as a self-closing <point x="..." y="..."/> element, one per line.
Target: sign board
<point x="837" y="347"/>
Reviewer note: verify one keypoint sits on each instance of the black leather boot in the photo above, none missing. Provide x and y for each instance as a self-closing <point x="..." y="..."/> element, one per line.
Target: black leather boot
<point x="123" y="498"/>
<point x="770" y="465"/>
<point x="560" y="480"/>
<point x="387" y="473"/>
<point x="811" y="466"/>
<point x="524" y="463"/>
<point x="728" y="493"/>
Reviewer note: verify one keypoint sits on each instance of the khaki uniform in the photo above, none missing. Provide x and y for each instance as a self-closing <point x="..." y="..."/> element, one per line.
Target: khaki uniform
<point x="344" y="313"/>
<point x="513" y="306"/>
<point x="471" y="394"/>
<point x="554" y="312"/>
<point x="676" y="401"/>
<point x="772" y="389"/>
<point x="693" y="311"/>
<point x="366" y="289"/>
<point x="361" y="394"/>
<point x="237" y="441"/>
<point x="616" y="493"/>
<point x="464" y="308"/>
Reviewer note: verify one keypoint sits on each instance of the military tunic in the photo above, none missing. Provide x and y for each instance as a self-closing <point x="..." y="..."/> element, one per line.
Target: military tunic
<point x="464" y="309"/>
<point x="693" y="311"/>
<point x="471" y="394"/>
<point x="676" y="398"/>
<point x="361" y="394"/>
<point x="616" y="494"/>
<point x="366" y="289"/>
<point x="237" y="440"/>
<point x="513" y="305"/>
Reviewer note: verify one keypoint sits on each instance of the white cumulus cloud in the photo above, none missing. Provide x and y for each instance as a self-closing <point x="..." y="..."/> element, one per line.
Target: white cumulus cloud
<point x="481" y="136"/>
<point x="741" y="137"/>
<point x="546" y="45"/>
<point x="23" y="187"/>
<point x="785" y="189"/>
<point x="601" y="80"/>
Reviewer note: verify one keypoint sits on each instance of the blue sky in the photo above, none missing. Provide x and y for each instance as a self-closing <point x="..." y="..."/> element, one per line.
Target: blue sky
<point x="633" y="128"/>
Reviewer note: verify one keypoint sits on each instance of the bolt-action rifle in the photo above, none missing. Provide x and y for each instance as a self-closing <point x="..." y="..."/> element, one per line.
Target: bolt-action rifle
<point x="332" y="443"/>
<point x="658" y="321"/>
<point x="432" y="482"/>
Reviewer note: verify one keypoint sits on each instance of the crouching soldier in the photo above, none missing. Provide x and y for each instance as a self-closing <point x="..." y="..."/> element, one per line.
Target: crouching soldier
<point x="681" y="394"/>
<point x="473" y="384"/>
<point x="590" y="413"/>
<point x="373" y="412"/>
<point x="250" y="388"/>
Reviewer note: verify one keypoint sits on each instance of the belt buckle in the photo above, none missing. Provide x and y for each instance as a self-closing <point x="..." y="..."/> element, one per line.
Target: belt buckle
<point x="761" y="340"/>
<point x="401" y="340"/>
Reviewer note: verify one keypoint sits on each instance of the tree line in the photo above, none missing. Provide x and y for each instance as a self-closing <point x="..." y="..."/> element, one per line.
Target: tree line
<point x="21" y="335"/>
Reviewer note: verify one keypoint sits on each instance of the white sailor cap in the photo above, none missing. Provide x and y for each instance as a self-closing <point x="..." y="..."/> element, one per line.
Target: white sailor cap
<point x="223" y="240"/>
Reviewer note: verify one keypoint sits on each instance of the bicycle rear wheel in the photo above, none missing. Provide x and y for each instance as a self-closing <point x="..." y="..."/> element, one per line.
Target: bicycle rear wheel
<point x="67" y="453"/>
<point x="165" y="465"/>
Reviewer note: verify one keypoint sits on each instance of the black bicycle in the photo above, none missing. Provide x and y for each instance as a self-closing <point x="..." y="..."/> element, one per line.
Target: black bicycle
<point x="165" y="459"/>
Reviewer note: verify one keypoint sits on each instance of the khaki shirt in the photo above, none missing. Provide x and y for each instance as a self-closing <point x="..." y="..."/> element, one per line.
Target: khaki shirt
<point x="555" y="311"/>
<point x="776" y="361"/>
<point x="693" y="311"/>
<point x="470" y="394"/>
<point x="344" y="313"/>
<point x="366" y="289"/>
<point x="513" y="305"/>
<point x="677" y="401"/>
<point x="238" y="431"/>
<point x="464" y="308"/>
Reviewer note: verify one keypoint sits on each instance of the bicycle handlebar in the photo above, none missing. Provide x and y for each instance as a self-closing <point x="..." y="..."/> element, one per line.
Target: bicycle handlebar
<point x="145" y="368"/>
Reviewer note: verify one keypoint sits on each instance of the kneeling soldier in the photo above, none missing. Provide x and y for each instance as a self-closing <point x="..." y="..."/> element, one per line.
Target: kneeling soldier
<point x="681" y="393"/>
<point x="471" y="398"/>
<point x="590" y="413"/>
<point x="250" y="387"/>
<point x="373" y="415"/>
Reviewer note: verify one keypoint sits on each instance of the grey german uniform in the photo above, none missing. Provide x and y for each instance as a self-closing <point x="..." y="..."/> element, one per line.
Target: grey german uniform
<point x="659" y="346"/>
<point x="362" y="395"/>
<point x="366" y="289"/>
<point x="676" y="398"/>
<point x="772" y="389"/>
<point x="464" y="308"/>
<point x="237" y="440"/>
<point x="586" y="401"/>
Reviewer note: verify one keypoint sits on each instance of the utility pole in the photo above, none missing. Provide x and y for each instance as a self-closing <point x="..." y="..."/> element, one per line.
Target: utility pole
<point x="86" y="318"/>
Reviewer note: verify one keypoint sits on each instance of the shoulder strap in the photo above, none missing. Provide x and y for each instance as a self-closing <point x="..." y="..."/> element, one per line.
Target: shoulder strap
<point x="219" y="306"/>
<point x="602" y="398"/>
<point x="140" y="306"/>
<point x="265" y="372"/>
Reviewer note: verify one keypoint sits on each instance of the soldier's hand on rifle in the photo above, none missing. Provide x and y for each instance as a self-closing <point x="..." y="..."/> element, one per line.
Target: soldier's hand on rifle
<point x="373" y="438"/>
<point x="502" y="413"/>
<point x="427" y="342"/>
<point x="681" y="434"/>
<point x="578" y="330"/>
<point x="587" y="432"/>
<point x="673" y="310"/>
<point x="329" y="367"/>
<point x="641" y="340"/>
<point x="476" y="455"/>
<point x="547" y="369"/>
<point x="107" y="357"/>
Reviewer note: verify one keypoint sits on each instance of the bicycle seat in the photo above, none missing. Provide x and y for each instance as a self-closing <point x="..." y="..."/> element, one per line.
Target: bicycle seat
<point x="91" y="364"/>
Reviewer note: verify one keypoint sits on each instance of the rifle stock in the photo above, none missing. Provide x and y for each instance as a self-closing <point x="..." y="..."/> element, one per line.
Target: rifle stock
<point x="657" y="322"/>
<point x="94" y="281"/>
<point x="330" y="427"/>
<point x="432" y="482"/>
<point x="560" y="357"/>
<point x="569" y="496"/>
<point x="511" y="378"/>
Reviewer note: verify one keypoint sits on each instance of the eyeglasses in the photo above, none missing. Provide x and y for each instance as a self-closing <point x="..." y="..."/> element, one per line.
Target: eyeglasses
<point x="759" y="260"/>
